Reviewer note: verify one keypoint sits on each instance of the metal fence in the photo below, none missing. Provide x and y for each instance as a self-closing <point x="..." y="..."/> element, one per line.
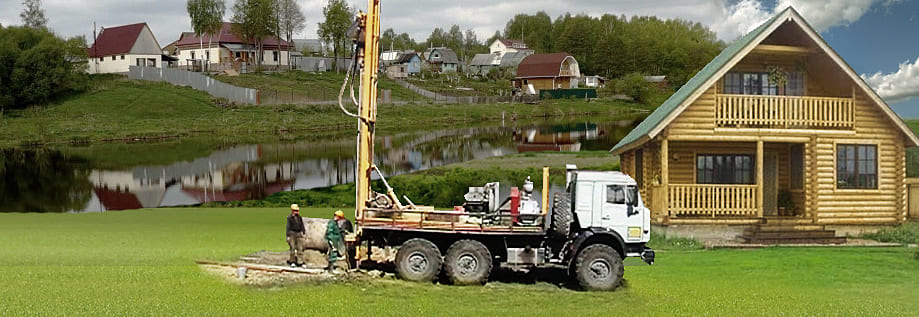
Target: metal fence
<point x="465" y="99"/>
<point x="197" y="81"/>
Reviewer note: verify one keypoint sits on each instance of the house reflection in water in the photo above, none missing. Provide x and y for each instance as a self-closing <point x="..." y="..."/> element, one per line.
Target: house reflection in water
<point x="227" y="175"/>
<point x="562" y="138"/>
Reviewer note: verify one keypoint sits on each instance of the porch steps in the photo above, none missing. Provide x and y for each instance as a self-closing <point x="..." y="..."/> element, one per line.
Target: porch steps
<point x="790" y="231"/>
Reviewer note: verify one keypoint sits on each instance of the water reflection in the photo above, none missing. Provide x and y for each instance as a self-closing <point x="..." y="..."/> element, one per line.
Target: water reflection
<point x="82" y="181"/>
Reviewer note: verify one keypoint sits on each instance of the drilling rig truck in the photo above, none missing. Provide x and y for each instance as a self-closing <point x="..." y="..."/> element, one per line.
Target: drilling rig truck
<point x="590" y="228"/>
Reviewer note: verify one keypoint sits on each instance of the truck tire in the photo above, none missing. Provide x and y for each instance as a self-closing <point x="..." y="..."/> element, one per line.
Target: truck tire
<point x="598" y="268"/>
<point x="468" y="262"/>
<point x="418" y="260"/>
<point x="562" y="217"/>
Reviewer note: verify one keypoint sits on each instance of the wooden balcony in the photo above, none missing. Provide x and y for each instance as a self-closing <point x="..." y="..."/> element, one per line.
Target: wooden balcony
<point x="712" y="200"/>
<point x="784" y="112"/>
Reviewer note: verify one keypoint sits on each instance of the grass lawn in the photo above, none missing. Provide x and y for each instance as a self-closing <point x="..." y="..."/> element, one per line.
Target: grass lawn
<point x="305" y="87"/>
<point x="141" y="263"/>
<point x="117" y="108"/>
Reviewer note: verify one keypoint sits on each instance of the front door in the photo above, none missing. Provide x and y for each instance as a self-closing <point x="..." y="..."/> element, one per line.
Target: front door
<point x="770" y="184"/>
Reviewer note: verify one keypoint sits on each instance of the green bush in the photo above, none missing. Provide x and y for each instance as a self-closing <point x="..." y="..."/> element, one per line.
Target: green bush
<point x="664" y="242"/>
<point x="906" y="233"/>
<point x="634" y="86"/>
<point x="37" y="66"/>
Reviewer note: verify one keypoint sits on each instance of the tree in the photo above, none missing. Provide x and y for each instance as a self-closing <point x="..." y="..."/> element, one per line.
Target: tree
<point x="36" y="66"/>
<point x="206" y="18"/>
<point x="337" y="19"/>
<point x="291" y="20"/>
<point x="389" y="40"/>
<point x="254" y="20"/>
<point x="535" y="30"/>
<point x="33" y="15"/>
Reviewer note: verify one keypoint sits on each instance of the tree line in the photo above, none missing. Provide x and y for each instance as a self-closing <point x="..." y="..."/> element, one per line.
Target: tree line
<point x="609" y="45"/>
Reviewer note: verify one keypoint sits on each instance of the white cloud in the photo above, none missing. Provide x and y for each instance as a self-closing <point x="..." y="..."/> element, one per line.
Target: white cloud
<point x="899" y="86"/>
<point x="823" y="15"/>
<point x="740" y="18"/>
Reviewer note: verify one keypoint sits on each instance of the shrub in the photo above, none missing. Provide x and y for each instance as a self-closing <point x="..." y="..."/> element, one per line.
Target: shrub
<point x="37" y="66"/>
<point x="905" y="233"/>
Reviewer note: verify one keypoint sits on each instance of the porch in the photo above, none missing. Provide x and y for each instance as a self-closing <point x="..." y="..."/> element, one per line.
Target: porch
<point x="728" y="182"/>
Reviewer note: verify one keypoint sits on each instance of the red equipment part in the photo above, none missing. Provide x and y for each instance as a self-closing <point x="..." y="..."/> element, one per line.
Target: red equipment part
<point x="515" y="204"/>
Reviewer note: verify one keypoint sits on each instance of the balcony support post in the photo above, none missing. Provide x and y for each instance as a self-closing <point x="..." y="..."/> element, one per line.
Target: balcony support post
<point x="759" y="178"/>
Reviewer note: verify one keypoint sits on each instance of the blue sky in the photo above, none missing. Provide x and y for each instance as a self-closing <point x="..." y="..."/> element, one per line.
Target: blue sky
<point x="878" y="38"/>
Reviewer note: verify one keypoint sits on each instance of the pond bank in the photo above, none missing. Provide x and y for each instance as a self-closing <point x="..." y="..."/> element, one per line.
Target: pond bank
<point x="116" y="109"/>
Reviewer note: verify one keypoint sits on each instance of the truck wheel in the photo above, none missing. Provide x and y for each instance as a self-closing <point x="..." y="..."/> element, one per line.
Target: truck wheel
<point x="562" y="217"/>
<point x="468" y="262"/>
<point x="598" y="268"/>
<point x="418" y="260"/>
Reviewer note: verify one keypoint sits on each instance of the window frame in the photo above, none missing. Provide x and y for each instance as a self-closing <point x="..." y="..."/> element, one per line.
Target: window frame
<point x="875" y="166"/>
<point x="736" y="83"/>
<point x="712" y="176"/>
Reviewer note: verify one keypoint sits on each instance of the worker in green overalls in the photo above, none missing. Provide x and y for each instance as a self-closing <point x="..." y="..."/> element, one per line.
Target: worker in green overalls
<point x="336" y="239"/>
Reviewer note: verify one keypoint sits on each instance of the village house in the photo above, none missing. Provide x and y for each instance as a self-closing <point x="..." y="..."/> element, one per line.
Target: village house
<point x="440" y="59"/>
<point x="226" y="50"/>
<point x="501" y="47"/>
<point x="777" y="129"/>
<point x="547" y="71"/>
<point x="115" y="49"/>
<point x="403" y="64"/>
<point x="482" y="64"/>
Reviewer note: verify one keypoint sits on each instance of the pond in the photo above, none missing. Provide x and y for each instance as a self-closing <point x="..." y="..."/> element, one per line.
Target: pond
<point x="119" y="176"/>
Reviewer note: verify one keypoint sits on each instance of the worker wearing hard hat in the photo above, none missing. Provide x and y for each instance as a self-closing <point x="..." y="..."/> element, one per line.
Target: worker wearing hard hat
<point x="335" y="237"/>
<point x="295" y="231"/>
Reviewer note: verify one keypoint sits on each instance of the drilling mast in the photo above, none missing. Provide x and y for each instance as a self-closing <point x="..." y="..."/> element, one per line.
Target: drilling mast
<point x="368" y="53"/>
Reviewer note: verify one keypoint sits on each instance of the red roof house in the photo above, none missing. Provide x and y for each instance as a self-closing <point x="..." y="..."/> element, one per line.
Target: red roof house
<point x="116" y="48"/>
<point x="548" y="71"/>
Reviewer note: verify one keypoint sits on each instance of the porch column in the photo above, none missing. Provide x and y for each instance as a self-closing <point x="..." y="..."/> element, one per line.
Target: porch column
<point x="759" y="178"/>
<point x="665" y="164"/>
<point x="665" y="178"/>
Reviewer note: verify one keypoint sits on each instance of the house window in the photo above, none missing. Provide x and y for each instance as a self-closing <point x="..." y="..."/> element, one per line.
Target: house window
<point x="113" y="57"/>
<point x="724" y="169"/>
<point x="139" y="62"/>
<point x="274" y="55"/>
<point x="122" y="57"/>
<point x="757" y="83"/>
<point x="856" y="166"/>
<point x="192" y="55"/>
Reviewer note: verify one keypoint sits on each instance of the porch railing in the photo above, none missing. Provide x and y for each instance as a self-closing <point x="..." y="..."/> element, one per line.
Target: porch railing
<point x="784" y="111"/>
<point x="712" y="200"/>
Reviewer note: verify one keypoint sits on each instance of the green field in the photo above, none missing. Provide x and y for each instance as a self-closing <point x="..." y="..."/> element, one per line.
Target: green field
<point x="142" y="263"/>
<point x="117" y="108"/>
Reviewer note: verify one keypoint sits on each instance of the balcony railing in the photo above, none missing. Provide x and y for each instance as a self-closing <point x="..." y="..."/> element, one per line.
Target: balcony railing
<point x="712" y="200"/>
<point x="784" y="112"/>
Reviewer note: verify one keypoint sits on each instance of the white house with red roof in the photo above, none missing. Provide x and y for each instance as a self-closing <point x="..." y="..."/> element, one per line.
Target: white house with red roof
<point x="117" y="48"/>
<point x="228" y="50"/>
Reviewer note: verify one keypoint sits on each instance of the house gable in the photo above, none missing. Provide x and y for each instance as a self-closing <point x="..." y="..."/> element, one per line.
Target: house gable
<point x="146" y="43"/>
<point x="763" y="37"/>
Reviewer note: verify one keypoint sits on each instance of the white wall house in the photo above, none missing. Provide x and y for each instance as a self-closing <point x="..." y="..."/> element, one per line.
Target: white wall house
<point x="117" y="48"/>
<point x="226" y="50"/>
<point x="503" y="46"/>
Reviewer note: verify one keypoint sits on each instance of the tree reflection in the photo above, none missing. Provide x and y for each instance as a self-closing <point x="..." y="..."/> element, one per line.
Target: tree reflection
<point x="42" y="181"/>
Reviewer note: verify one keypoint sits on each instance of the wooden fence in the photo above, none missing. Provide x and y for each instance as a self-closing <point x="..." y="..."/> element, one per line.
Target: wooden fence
<point x="712" y="200"/>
